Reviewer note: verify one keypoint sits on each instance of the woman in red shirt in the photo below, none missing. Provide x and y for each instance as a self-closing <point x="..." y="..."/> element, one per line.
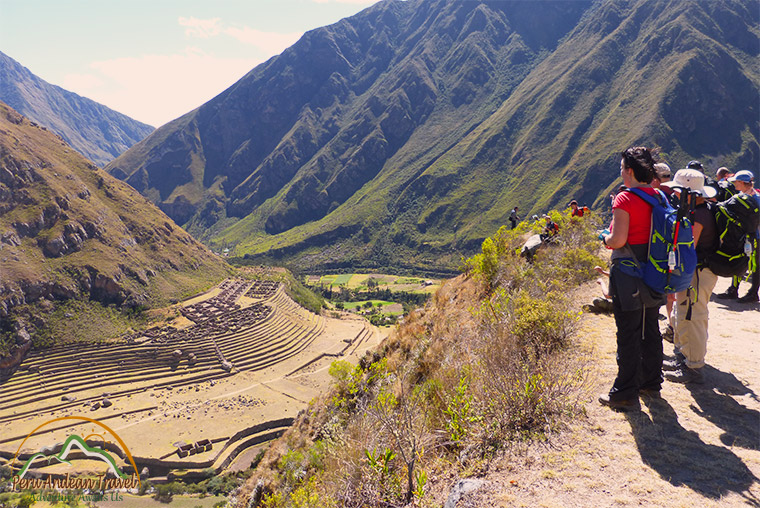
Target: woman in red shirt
<point x="635" y="307"/>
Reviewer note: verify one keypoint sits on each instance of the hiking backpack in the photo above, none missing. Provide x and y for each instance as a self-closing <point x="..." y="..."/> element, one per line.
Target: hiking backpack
<point x="672" y="258"/>
<point x="724" y="189"/>
<point x="737" y="220"/>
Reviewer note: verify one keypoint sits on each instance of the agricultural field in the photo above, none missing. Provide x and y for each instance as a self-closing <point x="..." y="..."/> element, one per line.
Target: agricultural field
<point x="364" y="281"/>
<point x="380" y="298"/>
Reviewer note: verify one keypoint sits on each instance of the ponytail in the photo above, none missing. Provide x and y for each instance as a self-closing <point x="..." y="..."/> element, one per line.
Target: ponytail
<point x="640" y="160"/>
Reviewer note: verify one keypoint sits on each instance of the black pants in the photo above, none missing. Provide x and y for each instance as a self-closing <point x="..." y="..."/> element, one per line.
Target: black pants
<point x="639" y="355"/>
<point x="639" y="343"/>
<point x="513" y="222"/>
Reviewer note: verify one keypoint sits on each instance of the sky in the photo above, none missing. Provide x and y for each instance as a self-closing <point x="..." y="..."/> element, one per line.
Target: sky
<point x="155" y="60"/>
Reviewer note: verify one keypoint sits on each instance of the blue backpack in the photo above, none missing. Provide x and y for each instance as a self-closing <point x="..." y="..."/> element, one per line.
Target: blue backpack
<point x="669" y="268"/>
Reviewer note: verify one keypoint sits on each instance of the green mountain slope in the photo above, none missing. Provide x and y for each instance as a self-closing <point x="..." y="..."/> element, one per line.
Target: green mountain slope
<point x="403" y="135"/>
<point x="71" y="232"/>
<point x="97" y="132"/>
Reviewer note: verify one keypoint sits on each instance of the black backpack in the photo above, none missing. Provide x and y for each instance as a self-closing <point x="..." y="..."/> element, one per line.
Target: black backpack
<point x="725" y="190"/>
<point x="737" y="220"/>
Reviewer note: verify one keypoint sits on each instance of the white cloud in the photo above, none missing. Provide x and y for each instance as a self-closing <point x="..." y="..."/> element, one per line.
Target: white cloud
<point x="155" y="89"/>
<point x="201" y="28"/>
<point x="81" y="82"/>
<point x="271" y="43"/>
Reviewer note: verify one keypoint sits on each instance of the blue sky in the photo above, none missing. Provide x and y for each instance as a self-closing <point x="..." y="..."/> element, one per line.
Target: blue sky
<point x="155" y="60"/>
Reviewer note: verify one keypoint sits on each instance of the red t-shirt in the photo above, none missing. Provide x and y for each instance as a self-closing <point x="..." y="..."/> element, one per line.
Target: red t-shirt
<point x="639" y="212"/>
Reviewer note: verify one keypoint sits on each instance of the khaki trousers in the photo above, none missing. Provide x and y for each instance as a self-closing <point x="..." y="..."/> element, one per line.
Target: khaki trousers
<point x="690" y="336"/>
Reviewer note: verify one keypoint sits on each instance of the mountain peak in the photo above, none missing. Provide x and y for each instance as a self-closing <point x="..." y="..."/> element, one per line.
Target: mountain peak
<point x="97" y="132"/>
<point x="411" y="129"/>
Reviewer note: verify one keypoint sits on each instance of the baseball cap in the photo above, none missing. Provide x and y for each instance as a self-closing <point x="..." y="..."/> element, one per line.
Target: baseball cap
<point x="695" y="165"/>
<point x="742" y="176"/>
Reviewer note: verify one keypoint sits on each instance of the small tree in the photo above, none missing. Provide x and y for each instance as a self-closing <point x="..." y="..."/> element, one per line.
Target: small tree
<point x="402" y="417"/>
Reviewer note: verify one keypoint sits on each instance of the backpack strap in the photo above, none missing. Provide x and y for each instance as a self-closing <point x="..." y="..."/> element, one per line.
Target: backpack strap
<point x="651" y="200"/>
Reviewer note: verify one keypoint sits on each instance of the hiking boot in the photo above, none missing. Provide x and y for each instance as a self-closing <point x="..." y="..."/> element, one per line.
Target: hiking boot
<point x="686" y="375"/>
<point x="673" y="365"/>
<point x="604" y="305"/>
<point x="668" y="334"/>
<point x="618" y="405"/>
<point x="748" y="298"/>
<point x="677" y="356"/>
<point x="646" y="393"/>
<point x="732" y="293"/>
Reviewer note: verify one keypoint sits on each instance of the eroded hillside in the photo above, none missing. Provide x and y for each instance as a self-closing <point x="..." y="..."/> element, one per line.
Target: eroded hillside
<point x="69" y="231"/>
<point x="405" y="134"/>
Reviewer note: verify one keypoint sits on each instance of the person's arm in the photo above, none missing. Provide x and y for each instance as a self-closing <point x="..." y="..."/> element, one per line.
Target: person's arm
<point x="619" y="234"/>
<point x="696" y="231"/>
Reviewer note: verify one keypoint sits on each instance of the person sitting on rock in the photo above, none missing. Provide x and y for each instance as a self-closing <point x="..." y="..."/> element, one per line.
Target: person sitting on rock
<point x="550" y="229"/>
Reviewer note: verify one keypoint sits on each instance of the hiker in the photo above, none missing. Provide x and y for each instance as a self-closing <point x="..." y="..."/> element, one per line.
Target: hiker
<point x="636" y="308"/>
<point x="662" y="174"/>
<point x="575" y="210"/>
<point x="513" y="217"/>
<point x="696" y="165"/>
<point x="743" y="181"/>
<point x="722" y="174"/>
<point x="550" y="229"/>
<point x="690" y="313"/>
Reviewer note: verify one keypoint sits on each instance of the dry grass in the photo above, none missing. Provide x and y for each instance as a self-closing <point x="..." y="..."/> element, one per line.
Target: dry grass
<point x="480" y="370"/>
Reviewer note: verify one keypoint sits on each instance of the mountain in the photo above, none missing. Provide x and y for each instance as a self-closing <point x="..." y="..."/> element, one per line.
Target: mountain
<point x="70" y="232"/>
<point x="405" y="134"/>
<point x="97" y="132"/>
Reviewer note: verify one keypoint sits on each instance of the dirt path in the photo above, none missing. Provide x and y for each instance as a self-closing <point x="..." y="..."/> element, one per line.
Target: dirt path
<point x="698" y="447"/>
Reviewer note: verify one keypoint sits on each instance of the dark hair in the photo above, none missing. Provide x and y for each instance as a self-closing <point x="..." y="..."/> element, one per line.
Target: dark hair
<point x="641" y="162"/>
<point x="695" y="165"/>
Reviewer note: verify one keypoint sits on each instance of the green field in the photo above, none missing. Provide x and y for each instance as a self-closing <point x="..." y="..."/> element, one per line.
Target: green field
<point x="342" y="279"/>
<point x="361" y="280"/>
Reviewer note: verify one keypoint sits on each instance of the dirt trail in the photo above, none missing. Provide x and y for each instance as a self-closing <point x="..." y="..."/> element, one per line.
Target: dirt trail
<point x="698" y="447"/>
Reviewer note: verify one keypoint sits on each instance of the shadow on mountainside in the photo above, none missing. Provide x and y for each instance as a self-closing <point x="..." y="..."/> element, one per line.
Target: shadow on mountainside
<point x="681" y="458"/>
<point x="741" y="424"/>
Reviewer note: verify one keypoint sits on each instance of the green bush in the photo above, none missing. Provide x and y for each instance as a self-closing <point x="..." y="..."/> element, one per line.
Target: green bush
<point x="541" y="323"/>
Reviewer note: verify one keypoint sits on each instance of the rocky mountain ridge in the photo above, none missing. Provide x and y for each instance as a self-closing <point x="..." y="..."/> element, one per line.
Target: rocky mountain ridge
<point x="408" y="132"/>
<point x="97" y="132"/>
<point x="70" y="231"/>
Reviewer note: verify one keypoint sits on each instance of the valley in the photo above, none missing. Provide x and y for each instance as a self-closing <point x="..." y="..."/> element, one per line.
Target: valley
<point x="303" y="293"/>
<point x="237" y="365"/>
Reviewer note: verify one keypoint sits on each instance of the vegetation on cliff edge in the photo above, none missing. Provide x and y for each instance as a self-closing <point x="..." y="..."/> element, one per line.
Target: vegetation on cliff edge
<point x="486" y="364"/>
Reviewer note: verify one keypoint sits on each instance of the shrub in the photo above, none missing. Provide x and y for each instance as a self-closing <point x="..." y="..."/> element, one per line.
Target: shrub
<point x="464" y="382"/>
